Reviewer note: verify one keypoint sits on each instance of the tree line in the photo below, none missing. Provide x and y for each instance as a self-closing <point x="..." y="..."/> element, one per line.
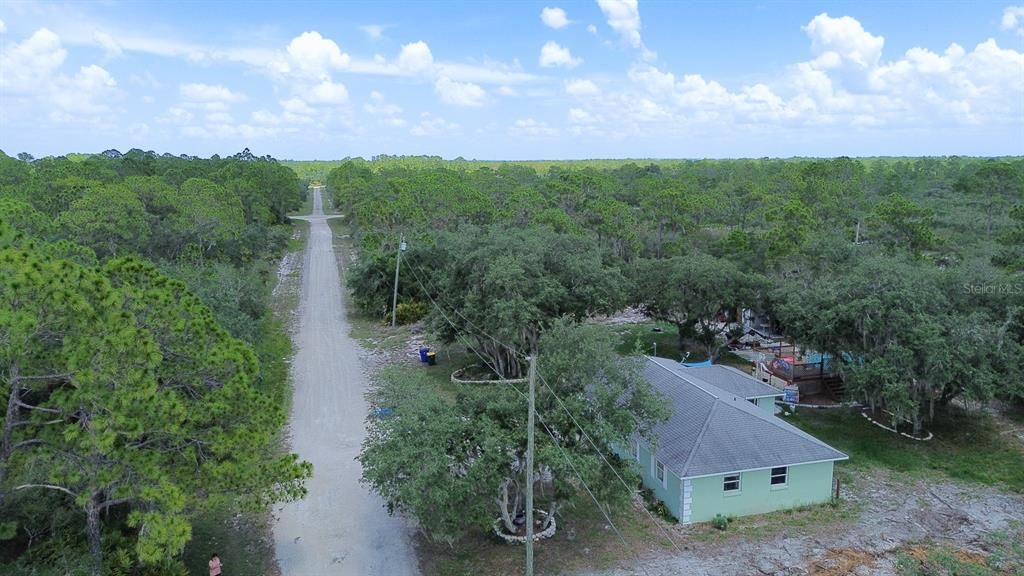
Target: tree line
<point x="141" y="371"/>
<point x="905" y="270"/>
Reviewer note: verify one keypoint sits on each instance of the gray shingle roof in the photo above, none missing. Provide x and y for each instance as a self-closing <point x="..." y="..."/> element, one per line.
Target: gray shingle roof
<point x="713" y="431"/>
<point x="727" y="378"/>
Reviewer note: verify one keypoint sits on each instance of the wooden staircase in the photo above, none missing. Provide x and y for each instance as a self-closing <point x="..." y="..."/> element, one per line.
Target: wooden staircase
<point x="835" y="386"/>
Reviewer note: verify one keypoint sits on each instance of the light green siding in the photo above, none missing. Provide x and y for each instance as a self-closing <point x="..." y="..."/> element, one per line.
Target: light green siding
<point x="767" y="404"/>
<point x="807" y="484"/>
<point x="667" y="492"/>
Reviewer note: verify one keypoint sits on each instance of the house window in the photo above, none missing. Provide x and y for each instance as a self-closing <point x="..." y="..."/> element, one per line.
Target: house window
<point x="780" y="476"/>
<point x="659" y="471"/>
<point x="731" y="483"/>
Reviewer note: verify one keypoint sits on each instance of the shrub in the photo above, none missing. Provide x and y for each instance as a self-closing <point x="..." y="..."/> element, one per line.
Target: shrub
<point x="410" y="311"/>
<point x="720" y="522"/>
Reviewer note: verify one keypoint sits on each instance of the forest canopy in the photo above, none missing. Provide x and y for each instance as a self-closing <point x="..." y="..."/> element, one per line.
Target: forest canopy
<point x="141" y="370"/>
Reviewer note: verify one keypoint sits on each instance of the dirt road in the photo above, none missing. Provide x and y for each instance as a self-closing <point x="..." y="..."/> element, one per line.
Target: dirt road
<point x="339" y="528"/>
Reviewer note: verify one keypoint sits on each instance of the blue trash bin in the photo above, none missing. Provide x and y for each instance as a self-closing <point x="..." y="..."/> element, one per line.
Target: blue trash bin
<point x="423" y="354"/>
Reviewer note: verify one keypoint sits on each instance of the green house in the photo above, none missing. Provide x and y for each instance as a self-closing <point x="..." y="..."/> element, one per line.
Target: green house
<point x="724" y="451"/>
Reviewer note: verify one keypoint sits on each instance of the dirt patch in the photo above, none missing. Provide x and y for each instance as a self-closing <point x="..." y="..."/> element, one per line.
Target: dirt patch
<point x="888" y="513"/>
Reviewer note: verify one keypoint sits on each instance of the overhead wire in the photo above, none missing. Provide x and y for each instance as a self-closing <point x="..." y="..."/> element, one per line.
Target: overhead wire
<point x="561" y="403"/>
<point x="539" y="416"/>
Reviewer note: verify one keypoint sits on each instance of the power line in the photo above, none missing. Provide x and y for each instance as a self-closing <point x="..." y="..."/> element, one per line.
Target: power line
<point x="561" y="403"/>
<point x="540" y="417"/>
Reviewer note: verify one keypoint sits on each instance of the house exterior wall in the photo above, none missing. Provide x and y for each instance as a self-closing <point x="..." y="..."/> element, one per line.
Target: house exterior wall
<point x="806" y="484"/>
<point x="669" y="492"/>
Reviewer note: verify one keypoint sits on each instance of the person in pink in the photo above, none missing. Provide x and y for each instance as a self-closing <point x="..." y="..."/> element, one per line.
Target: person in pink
<point x="215" y="565"/>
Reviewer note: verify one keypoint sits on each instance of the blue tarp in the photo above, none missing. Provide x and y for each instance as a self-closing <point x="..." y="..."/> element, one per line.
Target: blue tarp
<point x="703" y="364"/>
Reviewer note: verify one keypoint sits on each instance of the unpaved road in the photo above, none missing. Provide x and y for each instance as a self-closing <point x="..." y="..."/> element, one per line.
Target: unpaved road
<point x="340" y="528"/>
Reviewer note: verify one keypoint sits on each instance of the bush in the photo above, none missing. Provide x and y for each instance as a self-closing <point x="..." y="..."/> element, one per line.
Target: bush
<point x="656" y="506"/>
<point x="410" y="311"/>
<point x="720" y="522"/>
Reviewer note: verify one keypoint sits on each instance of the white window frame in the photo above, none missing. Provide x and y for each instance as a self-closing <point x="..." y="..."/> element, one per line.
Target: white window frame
<point x="772" y="475"/>
<point x="739" y="484"/>
<point x="659" y="466"/>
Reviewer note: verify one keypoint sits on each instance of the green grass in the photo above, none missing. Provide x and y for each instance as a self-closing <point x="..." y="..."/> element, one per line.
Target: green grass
<point x="967" y="446"/>
<point x="800" y="520"/>
<point x="661" y="339"/>
<point x="582" y="542"/>
<point x="1004" y="555"/>
<point x="242" y="541"/>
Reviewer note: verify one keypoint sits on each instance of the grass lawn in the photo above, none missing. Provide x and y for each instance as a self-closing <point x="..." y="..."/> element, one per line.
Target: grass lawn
<point x="967" y="446"/>
<point x="584" y="540"/>
<point x="662" y="340"/>
<point x="242" y="541"/>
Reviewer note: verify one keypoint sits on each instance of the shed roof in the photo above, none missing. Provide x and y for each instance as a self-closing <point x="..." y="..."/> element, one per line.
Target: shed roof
<point x="727" y="378"/>
<point x="713" y="431"/>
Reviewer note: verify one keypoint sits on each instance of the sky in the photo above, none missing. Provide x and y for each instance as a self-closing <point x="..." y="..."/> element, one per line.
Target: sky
<point x="513" y="80"/>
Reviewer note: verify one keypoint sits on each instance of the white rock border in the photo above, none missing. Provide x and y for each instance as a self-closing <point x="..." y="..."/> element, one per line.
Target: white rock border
<point x="537" y="537"/>
<point x="895" y="431"/>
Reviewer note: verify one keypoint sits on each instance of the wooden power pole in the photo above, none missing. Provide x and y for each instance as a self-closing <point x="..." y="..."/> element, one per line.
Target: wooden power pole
<point x="529" y="469"/>
<point x="398" y="262"/>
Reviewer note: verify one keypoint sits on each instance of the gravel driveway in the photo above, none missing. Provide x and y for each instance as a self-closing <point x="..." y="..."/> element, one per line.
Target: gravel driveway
<point x="340" y="528"/>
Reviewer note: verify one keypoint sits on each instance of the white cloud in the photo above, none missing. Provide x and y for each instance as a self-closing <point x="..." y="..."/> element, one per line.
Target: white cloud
<point x="431" y="125"/>
<point x="312" y="55"/>
<point x="206" y="93"/>
<point x="327" y="92"/>
<point x="552" y="55"/>
<point x="175" y="115"/>
<point x="29" y="65"/>
<point x="105" y="41"/>
<point x="416" y="57"/>
<point x="88" y="92"/>
<point x="581" y="87"/>
<point x="373" y="31"/>
<point x="847" y="82"/>
<point x="580" y="116"/>
<point x="1013" y="19"/>
<point x="3" y="27"/>
<point x="554" y="18"/>
<point x="507" y="91"/>
<point x="221" y="131"/>
<point x="459" y="93"/>
<point x="219" y="118"/>
<point x="297" y="106"/>
<point x="846" y="38"/>
<point x="592" y="29"/>
<point x="379" y="107"/>
<point x="32" y="82"/>
<point x="531" y="127"/>
<point x="415" y="60"/>
<point x="623" y="16"/>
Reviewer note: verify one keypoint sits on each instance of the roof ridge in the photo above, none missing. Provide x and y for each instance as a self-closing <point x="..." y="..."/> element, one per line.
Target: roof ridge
<point x="681" y="377"/>
<point x="752" y="411"/>
<point x="700" y="437"/>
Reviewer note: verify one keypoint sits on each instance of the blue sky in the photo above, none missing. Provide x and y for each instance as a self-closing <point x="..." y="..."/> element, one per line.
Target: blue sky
<point x="513" y="80"/>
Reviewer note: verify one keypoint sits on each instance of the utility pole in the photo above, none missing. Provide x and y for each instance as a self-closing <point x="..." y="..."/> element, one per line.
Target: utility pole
<point x="398" y="262"/>
<point x="529" y="470"/>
